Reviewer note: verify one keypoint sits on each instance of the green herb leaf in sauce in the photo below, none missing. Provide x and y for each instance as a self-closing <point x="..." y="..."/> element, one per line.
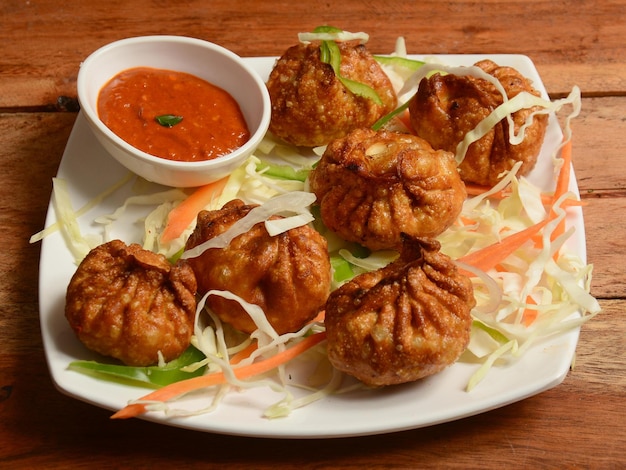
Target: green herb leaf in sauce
<point x="168" y="120"/>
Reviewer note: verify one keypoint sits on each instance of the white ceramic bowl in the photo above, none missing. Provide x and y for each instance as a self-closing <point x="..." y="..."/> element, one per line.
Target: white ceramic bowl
<point x="203" y="59"/>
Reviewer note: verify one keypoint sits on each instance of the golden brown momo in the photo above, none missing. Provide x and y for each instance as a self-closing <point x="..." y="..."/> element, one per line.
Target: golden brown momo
<point x="372" y="186"/>
<point x="403" y="322"/>
<point x="287" y="275"/>
<point x="310" y="105"/>
<point x="446" y="107"/>
<point x="130" y="304"/>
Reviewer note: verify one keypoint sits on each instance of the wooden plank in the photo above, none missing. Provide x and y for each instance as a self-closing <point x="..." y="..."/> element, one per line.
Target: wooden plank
<point x="598" y="149"/>
<point x="43" y="45"/>
<point x="534" y="433"/>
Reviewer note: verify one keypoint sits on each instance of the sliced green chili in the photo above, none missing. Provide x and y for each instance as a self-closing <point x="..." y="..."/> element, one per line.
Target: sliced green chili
<point x="342" y="269"/>
<point x="395" y="61"/>
<point x="285" y="172"/>
<point x="327" y="29"/>
<point x="388" y="117"/>
<point x="151" y="376"/>
<point x="331" y="54"/>
<point x="176" y="256"/>
<point x="361" y="89"/>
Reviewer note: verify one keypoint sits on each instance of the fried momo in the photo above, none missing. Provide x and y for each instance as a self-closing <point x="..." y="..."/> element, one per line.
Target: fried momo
<point x="129" y="303"/>
<point x="406" y="321"/>
<point x="372" y="186"/>
<point x="310" y="105"/>
<point x="446" y="107"/>
<point x="287" y="275"/>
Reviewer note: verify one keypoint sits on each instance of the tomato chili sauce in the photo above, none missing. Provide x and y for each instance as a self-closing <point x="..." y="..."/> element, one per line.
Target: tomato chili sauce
<point x="172" y="115"/>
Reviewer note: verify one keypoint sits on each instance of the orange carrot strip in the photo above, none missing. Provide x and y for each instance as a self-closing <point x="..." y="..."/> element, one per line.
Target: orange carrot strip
<point x="183" y="214"/>
<point x="530" y="314"/>
<point x="319" y="317"/>
<point x="546" y="199"/>
<point x="538" y="241"/>
<point x="477" y="190"/>
<point x="562" y="186"/>
<point x="573" y="203"/>
<point x="243" y="354"/>
<point x="467" y="220"/>
<point x="405" y="118"/>
<point x="490" y="256"/>
<point x="562" y="183"/>
<point x="185" y="386"/>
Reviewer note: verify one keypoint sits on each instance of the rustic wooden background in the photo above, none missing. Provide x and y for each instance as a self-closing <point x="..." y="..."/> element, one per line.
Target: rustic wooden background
<point x="579" y="424"/>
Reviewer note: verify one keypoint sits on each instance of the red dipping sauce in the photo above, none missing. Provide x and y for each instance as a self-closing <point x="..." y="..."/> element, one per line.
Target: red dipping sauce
<point x="199" y="121"/>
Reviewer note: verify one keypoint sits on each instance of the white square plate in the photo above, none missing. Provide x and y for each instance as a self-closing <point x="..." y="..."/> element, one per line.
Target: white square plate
<point x="89" y="170"/>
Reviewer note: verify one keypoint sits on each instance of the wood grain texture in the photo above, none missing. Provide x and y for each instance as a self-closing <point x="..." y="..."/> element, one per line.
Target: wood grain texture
<point x="565" y="427"/>
<point x="579" y="424"/>
<point x="43" y="43"/>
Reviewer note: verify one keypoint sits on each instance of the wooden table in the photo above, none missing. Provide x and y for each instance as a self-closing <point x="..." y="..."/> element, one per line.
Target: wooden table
<point x="579" y="424"/>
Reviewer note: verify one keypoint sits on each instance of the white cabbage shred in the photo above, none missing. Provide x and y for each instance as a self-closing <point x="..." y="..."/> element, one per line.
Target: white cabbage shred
<point x="334" y="36"/>
<point x="295" y="202"/>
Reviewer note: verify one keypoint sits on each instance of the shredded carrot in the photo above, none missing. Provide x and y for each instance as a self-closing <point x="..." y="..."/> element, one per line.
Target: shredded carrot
<point x="476" y="190"/>
<point x="538" y="241"/>
<point x="546" y="199"/>
<point x="466" y="221"/>
<point x="183" y="214"/>
<point x="530" y="314"/>
<point x="490" y="256"/>
<point x="562" y="185"/>
<point x="405" y="118"/>
<point x="243" y="354"/>
<point x="185" y="386"/>
<point x="319" y="317"/>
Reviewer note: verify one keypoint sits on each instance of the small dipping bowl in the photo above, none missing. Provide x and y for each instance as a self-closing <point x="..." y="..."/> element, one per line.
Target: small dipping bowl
<point x="203" y="59"/>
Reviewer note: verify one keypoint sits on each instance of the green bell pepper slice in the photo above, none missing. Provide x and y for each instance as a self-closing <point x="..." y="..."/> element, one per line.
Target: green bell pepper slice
<point x="149" y="376"/>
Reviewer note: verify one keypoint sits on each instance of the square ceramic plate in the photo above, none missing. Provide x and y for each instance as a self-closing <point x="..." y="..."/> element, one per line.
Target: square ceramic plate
<point x="89" y="170"/>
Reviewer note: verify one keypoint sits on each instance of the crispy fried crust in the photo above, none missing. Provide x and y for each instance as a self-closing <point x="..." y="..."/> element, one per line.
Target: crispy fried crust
<point x="373" y="186"/>
<point x="446" y="107"/>
<point x="310" y="106"/>
<point x="129" y="303"/>
<point x="403" y="322"/>
<point x="287" y="275"/>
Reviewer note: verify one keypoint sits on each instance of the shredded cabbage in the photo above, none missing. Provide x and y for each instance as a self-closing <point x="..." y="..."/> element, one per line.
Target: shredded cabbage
<point x="212" y="340"/>
<point x="376" y="260"/>
<point x="296" y="202"/>
<point x="83" y="210"/>
<point x="68" y="222"/>
<point x="523" y="100"/>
